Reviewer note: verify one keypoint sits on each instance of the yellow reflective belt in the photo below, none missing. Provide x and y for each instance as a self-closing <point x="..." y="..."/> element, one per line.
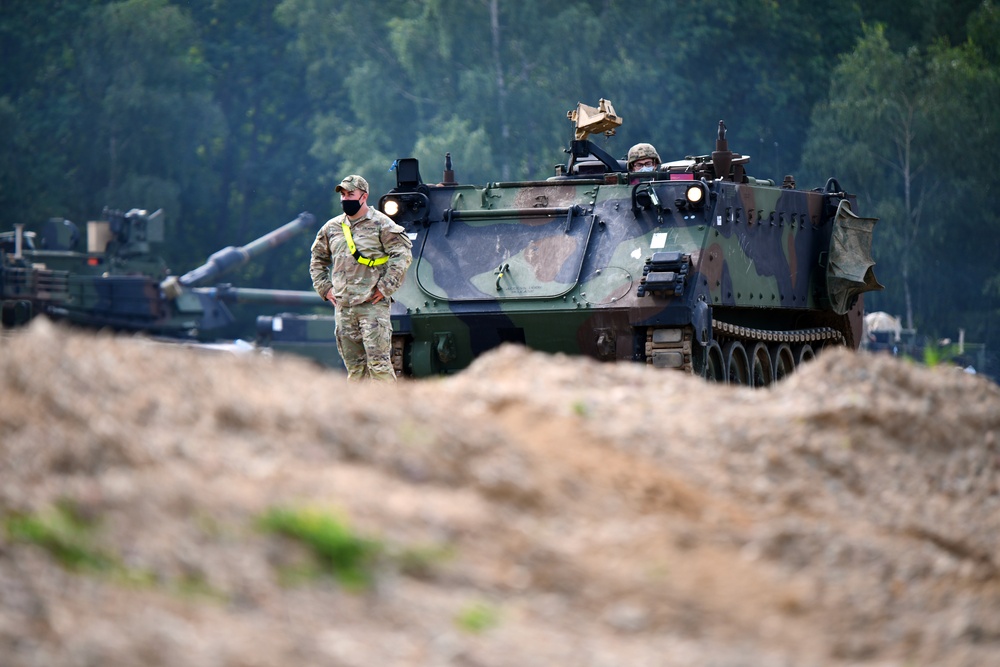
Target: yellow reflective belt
<point x="357" y="253"/>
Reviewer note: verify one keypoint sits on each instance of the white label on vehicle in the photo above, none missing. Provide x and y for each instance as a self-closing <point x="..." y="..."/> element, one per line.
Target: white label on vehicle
<point x="412" y="235"/>
<point x="637" y="253"/>
<point x="718" y="220"/>
<point x="659" y="240"/>
<point x="277" y="324"/>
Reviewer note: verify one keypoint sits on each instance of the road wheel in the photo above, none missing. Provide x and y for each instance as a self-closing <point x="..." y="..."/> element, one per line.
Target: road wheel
<point x="760" y="365"/>
<point x="782" y="361"/>
<point x="737" y="364"/>
<point x="714" y="367"/>
<point x="803" y="354"/>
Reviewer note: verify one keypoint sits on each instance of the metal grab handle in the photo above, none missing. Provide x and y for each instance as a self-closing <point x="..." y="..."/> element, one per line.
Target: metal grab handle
<point x="500" y="271"/>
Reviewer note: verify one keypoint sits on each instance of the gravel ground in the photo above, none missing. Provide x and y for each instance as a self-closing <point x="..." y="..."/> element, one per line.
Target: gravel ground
<point x="532" y="510"/>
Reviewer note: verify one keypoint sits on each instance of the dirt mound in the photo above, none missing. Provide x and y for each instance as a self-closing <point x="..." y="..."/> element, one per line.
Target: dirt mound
<point x="532" y="510"/>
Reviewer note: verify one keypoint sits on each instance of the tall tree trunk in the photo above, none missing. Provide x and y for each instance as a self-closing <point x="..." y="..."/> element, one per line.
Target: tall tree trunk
<point x="912" y="213"/>
<point x="908" y="299"/>
<point x="501" y="89"/>
<point x="112" y="163"/>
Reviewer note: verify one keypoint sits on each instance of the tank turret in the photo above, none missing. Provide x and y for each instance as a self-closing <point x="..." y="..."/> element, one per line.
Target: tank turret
<point x="120" y="282"/>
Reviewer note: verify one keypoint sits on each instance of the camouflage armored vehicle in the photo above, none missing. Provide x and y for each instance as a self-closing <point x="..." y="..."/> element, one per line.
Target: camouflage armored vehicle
<point x="120" y="282"/>
<point x="696" y="266"/>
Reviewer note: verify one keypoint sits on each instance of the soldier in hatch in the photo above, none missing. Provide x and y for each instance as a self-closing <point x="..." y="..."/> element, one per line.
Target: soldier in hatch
<point x="643" y="157"/>
<point x="359" y="259"/>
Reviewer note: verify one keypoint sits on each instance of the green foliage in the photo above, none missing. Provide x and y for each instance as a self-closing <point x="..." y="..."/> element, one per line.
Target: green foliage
<point x="349" y="557"/>
<point x="935" y="355"/>
<point x="920" y="22"/>
<point x="147" y="98"/>
<point x="235" y="116"/>
<point x="65" y="534"/>
<point x="477" y="618"/>
<point x="895" y="126"/>
<point x="471" y="157"/>
<point x="72" y="539"/>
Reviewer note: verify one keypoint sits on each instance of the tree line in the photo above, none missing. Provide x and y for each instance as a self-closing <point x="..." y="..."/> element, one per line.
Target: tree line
<point x="235" y="116"/>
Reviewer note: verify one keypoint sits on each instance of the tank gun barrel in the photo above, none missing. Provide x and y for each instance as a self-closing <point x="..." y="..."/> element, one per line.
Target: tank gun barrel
<point x="229" y="294"/>
<point x="231" y="257"/>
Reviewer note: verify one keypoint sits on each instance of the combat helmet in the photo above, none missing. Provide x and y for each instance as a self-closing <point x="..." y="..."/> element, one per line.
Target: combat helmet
<point x="640" y="151"/>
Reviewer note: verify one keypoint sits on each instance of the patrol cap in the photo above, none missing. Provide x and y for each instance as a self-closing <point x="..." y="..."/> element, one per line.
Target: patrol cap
<point x="352" y="182"/>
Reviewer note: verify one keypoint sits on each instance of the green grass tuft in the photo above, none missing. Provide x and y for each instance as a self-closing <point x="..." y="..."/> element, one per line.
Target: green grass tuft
<point x="477" y="618"/>
<point x="63" y="533"/>
<point x="349" y="557"/>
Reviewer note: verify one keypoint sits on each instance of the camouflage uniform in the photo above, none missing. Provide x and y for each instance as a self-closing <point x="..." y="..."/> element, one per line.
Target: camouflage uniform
<point x="363" y="329"/>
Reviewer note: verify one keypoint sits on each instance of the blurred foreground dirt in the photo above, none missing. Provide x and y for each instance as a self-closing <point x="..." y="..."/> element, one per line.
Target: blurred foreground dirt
<point x="594" y="515"/>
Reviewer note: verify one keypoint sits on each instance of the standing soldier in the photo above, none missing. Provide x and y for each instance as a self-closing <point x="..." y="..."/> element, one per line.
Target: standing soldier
<point x="358" y="261"/>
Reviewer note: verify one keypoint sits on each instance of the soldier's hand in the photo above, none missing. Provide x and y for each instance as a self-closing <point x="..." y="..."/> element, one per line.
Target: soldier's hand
<point x="329" y="297"/>
<point x="377" y="296"/>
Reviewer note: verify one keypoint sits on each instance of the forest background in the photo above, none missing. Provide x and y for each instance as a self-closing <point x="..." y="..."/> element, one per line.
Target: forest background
<point x="235" y="115"/>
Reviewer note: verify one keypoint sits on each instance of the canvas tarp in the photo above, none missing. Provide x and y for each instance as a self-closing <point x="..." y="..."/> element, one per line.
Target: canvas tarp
<point x="849" y="271"/>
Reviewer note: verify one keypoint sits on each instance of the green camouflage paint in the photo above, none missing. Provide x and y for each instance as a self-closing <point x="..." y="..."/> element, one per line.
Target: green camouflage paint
<point x="737" y="285"/>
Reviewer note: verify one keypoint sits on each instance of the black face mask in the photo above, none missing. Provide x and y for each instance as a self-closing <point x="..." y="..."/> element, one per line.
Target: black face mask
<point x="351" y="206"/>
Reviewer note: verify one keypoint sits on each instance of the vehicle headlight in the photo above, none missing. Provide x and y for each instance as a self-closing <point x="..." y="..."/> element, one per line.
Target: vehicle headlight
<point x="695" y="195"/>
<point x="390" y="207"/>
<point x="405" y="208"/>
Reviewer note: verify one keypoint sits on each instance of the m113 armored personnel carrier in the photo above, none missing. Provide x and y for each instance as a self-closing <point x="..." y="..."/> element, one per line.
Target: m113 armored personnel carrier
<point x="697" y="266"/>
